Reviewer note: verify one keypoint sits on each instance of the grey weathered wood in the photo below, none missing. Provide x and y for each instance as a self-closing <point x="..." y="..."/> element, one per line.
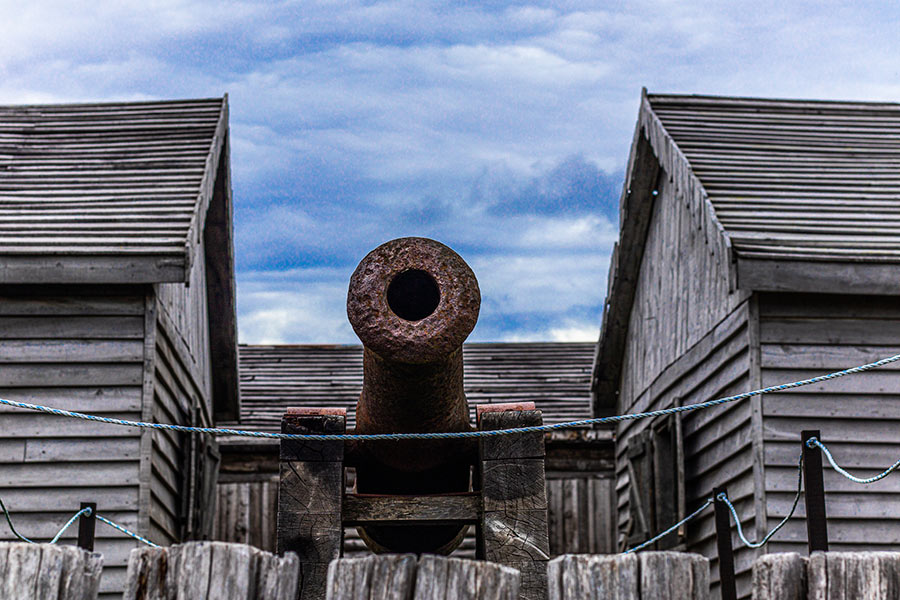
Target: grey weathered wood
<point x="848" y="575"/>
<point x="513" y="529"/>
<point x="360" y="509"/>
<point x="385" y="577"/>
<point x="670" y="575"/>
<point x="459" y="579"/>
<point x="780" y="576"/>
<point x="309" y="499"/>
<point x="210" y="570"/>
<point x="44" y="571"/>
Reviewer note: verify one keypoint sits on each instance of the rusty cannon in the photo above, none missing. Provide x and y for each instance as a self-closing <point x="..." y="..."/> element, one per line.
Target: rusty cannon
<point x="413" y="302"/>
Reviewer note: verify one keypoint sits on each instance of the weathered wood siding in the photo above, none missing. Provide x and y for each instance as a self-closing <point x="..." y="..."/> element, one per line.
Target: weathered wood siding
<point x="64" y="348"/>
<point x="859" y="416"/>
<point x="716" y="441"/>
<point x="683" y="291"/>
<point x="688" y="341"/>
<point x="246" y="512"/>
<point x="182" y="393"/>
<point x="581" y="513"/>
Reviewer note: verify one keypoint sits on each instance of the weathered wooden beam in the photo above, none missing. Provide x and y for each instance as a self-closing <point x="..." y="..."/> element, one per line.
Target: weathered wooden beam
<point x="513" y="529"/>
<point x="39" y="571"/>
<point x="360" y="509"/>
<point x="401" y="576"/>
<point x="210" y="571"/>
<point x="669" y="575"/>
<point x="780" y="576"/>
<point x="310" y="492"/>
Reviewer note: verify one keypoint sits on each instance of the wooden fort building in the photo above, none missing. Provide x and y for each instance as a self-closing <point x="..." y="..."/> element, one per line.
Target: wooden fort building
<point x="556" y="376"/>
<point x="117" y="299"/>
<point x="758" y="245"/>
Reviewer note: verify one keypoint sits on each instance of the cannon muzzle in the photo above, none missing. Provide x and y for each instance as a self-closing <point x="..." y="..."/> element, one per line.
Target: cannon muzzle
<point x="413" y="302"/>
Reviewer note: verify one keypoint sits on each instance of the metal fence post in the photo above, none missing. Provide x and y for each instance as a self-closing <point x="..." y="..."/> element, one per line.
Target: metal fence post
<point x="723" y="542"/>
<point x="814" y="493"/>
<point x="87" y="526"/>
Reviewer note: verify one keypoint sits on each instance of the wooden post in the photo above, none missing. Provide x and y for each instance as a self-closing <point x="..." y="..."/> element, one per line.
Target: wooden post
<point x="846" y="575"/>
<point x="780" y="576"/>
<point x="401" y="576"/>
<point x="48" y="571"/>
<point x="814" y="493"/>
<point x="723" y="543"/>
<point x="310" y="491"/>
<point x="210" y="571"/>
<point x="87" y="525"/>
<point x="513" y="527"/>
<point x="669" y="575"/>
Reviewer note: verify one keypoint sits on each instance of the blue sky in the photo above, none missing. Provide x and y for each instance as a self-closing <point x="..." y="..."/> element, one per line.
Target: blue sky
<point x="499" y="128"/>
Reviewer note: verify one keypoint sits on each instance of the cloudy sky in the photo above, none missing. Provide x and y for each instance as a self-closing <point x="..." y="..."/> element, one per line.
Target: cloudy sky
<point x="499" y="128"/>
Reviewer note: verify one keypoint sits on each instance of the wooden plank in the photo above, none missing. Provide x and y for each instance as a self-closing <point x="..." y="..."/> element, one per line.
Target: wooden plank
<point x="94" y="269"/>
<point x="361" y="509"/>
<point x="807" y="276"/>
<point x="65" y="374"/>
<point x="51" y="304"/>
<point x="75" y="350"/>
<point x="76" y="327"/>
<point x="30" y="425"/>
<point x="47" y="450"/>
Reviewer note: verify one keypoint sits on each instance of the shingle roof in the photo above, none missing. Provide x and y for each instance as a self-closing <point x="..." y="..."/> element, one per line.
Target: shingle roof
<point x="791" y="179"/>
<point x="556" y="376"/>
<point x="104" y="185"/>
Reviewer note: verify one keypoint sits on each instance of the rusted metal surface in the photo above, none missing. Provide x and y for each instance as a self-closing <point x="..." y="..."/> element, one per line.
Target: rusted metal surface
<point x="413" y="302"/>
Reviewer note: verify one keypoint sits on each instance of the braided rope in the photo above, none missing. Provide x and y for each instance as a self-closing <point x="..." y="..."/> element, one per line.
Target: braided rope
<point x="722" y="497"/>
<point x="127" y="532"/>
<point x="84" y="511"/>
<point x="455" y="434"/>
<point x="674" y="527"/>
<point x="814" y="442"/>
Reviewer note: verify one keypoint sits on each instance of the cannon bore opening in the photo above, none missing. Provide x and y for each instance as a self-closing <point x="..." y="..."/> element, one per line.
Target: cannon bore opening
<point x="413" y="295"/>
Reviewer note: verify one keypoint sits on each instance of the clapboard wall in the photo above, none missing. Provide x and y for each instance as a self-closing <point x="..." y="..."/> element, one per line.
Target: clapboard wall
<point x="803" y="335"/>
<point x="756" y="248"/>
<point x="116" y="262"/>
<point x="85" y="351"/>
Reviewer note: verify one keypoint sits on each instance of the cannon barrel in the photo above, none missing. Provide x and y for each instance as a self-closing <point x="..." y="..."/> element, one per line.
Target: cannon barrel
<point x="412" y="302"/>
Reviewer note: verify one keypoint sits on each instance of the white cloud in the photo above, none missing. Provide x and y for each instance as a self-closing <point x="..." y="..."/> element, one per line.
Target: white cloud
<point x="353" y="122"/>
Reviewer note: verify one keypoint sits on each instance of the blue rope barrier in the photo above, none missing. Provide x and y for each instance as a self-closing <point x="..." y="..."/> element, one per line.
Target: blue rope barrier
<point x="814" y="442"/>
<point x="126" y="532"/>
<point x="455" y="434"/>
<point x="84" y="511"/>
<point x="674" y="527"/>
<point x="768" y="536"/>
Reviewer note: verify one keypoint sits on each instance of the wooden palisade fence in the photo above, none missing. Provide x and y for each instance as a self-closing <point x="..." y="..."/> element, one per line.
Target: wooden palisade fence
<point x="669" y="575"/>
<point x="827" y="576"/>
<point x="210" y="571"/>
<point x="428" y="578"/>
<point x="41" y="571"/>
